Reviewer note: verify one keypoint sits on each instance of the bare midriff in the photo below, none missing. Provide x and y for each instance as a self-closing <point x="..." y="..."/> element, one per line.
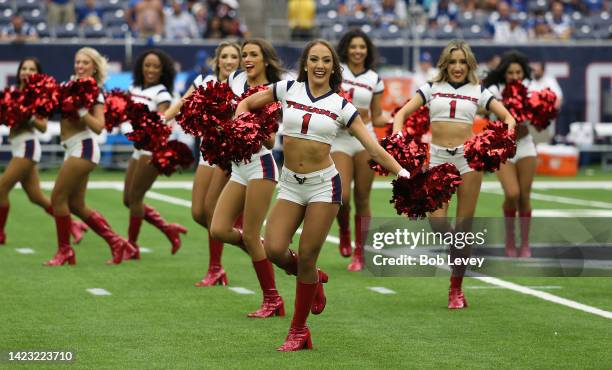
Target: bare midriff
<point x="450" y="134"/>
<point x="305" y="156"/>
<point x="69" y="128"/>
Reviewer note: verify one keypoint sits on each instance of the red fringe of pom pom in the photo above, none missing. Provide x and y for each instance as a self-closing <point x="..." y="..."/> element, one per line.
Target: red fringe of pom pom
<point x="514" y="98"/>
<point x="13" y="111"/>
<point x="490" y="148"/>
<point x="41" y="95"/>
<point x="78" y="94"/>
<point x="541" y="105"/>
<point x="116" y="106"/>
<point x="425" y="192"/>
<point x="410" y="153"/>
<point x="149" y="131"/>
<point x="174" y="155"/>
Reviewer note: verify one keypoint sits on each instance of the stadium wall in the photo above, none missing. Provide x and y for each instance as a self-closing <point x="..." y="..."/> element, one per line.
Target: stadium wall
<point x="584" y="71"/>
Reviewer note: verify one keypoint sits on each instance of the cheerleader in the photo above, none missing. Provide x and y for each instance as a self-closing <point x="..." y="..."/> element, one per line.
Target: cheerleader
<point x="310" y="186"/>
<point x="453" y="97"/>
<point x="251" y="185"/>
<point x="364" y="88"/>
<point x="81" y="157"/>
<point x="516" y="175"/>
<point x="26" y="151"/>
<point x="153" y="84"/>
<point x="208" y="182"/>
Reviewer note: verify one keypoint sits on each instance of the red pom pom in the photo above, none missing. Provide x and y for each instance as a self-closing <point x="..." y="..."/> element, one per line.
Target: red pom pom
<point x="490" y="148"/>
<point x="542" y="108"/>
<point x="269" y="115"/>
<point x="41" y="95"/>
<point x="425" y="192"/>
<point x="416" y="125"/>
<point x="78" y="94"/>
<point x="514" y="98"/>
<point x="116" y="105"/>
<point x="149" y="131"/>
<point x="13" y="111"/>
<point x="206" y="109"/>
<point x="245" y="136"/>
<point x="174" y="155"/>
<point x="346" y="95"/>
<point x="411" y="154"/>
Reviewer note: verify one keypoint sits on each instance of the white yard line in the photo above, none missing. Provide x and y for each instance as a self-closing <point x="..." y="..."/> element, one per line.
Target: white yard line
<point x="25" y="250"/>
<point x="240" y="290"/>
<point x="487" y="185"/>
<point x="490" y="280"/>
<point x="98" y="291"/>
<point x="560" y="199"/>
<point x="545" y="287"/>
<point x="381" y="290"/>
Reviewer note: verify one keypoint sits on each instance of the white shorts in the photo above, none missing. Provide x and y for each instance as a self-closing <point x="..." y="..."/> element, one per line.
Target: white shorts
<point x="524" y="148"/>
<point x="82" y="145"/>
<point x="302" y="188"/>
<point x="26" y="145"/>
<point x="262" y="166"/>
<point x="205" y="163"/>
<point x="439" y="155"/>
<point x="347" y="143"/>
<point x="139" y="153"/>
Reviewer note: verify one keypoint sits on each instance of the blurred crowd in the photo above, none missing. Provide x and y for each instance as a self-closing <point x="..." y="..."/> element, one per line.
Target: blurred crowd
<point x="508" y="21"/>
<point x="22" y="20"/>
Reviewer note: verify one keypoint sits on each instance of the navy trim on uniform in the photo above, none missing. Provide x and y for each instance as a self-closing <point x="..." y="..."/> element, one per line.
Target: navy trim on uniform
<point x="274" y="91"/>
<point x="430" y="83"/>
<point x="268" y="167"/>
<point x="379" y="92"/>
<point x="87" y="151"/>
<point x="344" y="103"/>
<point x="312" y="98"/>
<point x="358" y="74"/>
<point x="336" y="189"/>
<point x="482" y="88"/>
<point x="29" y="149"/>
<point x="457" y="85"/>
<point x="289" y="84"/>
<point x="489" y="102"/>
<point x="350" y="121"/>
<point x="164" y="90"/>
<point x="165" y="101"/>
<point x="422" y="96"/>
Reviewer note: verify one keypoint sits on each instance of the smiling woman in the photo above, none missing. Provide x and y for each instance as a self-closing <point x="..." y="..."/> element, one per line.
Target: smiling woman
<point x="453" y="97"/>
<point x="310" y="186"/>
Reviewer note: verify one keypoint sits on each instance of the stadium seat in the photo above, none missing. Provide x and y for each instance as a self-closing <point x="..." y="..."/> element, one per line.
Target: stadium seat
<point x="323" y="6"/>
<point x="6" y="4"/>
<point x="110" y="5"/>
<point x="357" y="20"/>
<point x="113" y="18"/>
<point x="534" y="6"/>
<point x="448" y="33"/>
<point x="42" y="30"/>
<point x="94" y="32"/>
<point x="600" y="21"/>
<point x="604" y="33"/>
<point x="389" y="33"/>
<point x="583" y="33"/>
<point x="66" y="31"/>
<point x="34" y="16"/>
<point x="118" y="32"/>
<point x="475" y="32"/>
<point x="5" y="15"/>
<point x="24" y="5"/>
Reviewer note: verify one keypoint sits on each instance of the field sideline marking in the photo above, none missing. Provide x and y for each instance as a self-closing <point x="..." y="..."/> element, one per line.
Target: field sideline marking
<point x="25" y="250"/>
<point x="562" y="200"/>
<point x="490" y="280"/>
<point x="526" y="286"/>
<point x="381" y="290"/>
<point x="240" y="290"/>
<point x="98" y="291"/>
<point x="486" y="185"/>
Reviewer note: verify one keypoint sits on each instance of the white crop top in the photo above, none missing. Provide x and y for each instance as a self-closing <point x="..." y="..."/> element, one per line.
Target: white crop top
<point x="307" y="117"/>
<point x="361" y="87"/>
<point x="203" y="80"/>
<point x="454" y="103"/>
<point x="152" y="96"/>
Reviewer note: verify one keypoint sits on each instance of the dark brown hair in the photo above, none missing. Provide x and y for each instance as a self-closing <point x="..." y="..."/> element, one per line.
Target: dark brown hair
<point x="274" y="67"/>
<point x="335" y="80"/>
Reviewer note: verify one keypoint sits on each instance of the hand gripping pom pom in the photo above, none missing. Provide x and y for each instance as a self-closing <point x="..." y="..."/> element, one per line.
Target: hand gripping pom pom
<point x="174" y="155"/>
<point x="12" y="108"/>
<point x="408" y="152"/>
<point x="41" y="95"/>
<point x="541" y="105"/>
<point x="490" y="148"/>
<point x="425" y="192"/>
<point x="78" y="94"/>
<point x="514" y="98"/>
<point x="116" y="106"/>
<point x="149" y="131"/>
